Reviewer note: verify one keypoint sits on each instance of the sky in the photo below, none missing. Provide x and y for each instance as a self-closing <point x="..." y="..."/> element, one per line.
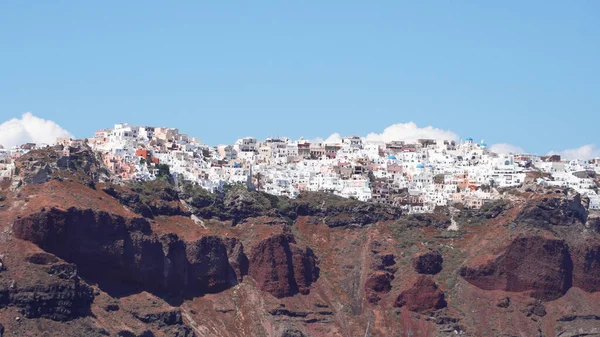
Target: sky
<point x="522" y="75"/>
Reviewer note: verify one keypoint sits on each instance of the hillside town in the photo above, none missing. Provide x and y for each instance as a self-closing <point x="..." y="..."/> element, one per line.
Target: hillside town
<point x="417" y="176"/>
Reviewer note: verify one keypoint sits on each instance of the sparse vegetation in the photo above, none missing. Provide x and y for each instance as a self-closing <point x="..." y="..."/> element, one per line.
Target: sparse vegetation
<point x="235" y="202"/>
<point x="407" y="231"/>
<point x="446" y="234"/>
<point x="163" y="171"/>
<point x="477" y="217"/>
<point x="148" y="198"/>
<point x="453" y="258"/>
<point x="155" y="189"/>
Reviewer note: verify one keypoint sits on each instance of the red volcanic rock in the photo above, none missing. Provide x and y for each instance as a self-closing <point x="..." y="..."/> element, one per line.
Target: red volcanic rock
<point x="586" y="270"/>
<point x="115" y="251"/>
<point x="281" y="267"/>
<point x="424" y="295"/>
<point x="429" y="262"/>
<point x="237" y="259"/>
<point x="148" y="281"/>
<point x="384" y="262"/>
<point x="537" y="264"/>
<point x="55" y="228"/>
<point x="210" y="265"/>
<point x="52" y="290"/>
<point x="553" y="210"/>
<point x="378" y="283"/>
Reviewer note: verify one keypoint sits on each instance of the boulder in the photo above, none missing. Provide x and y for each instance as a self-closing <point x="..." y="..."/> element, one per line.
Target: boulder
<point x="429" y="262"/>
<point x="424" y="295"/>
<point x="378" y="283"/>
<point x="292" y="332"/>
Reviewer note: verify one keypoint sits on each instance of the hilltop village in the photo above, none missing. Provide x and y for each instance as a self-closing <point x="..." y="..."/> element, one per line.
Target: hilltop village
<point x="417" y="176"/>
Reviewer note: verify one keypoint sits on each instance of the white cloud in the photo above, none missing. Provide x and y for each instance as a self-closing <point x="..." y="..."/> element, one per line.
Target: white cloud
<point x="410" y="132"/>
<point x="334" y="138"/>
<point x="584" y="152"/>
<point x="504" y="148"/>
<point x="30" y="129"/>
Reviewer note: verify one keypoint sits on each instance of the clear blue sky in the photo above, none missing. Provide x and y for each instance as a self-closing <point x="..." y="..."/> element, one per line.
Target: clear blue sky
<point x="522" y="72"/>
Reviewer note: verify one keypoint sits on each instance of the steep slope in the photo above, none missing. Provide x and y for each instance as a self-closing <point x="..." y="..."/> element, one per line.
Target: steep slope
<point x="82" y="257"/>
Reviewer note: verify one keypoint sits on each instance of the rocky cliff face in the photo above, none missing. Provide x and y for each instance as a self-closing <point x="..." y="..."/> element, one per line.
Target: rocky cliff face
<point x="281" y="267"/>
<point x="81" y="165"/>
<point x="57" y="293"/>
<point x="536" y="264"/>
<point x="557" y="208"/>
<point x="83" y="258"/>
<point x="114" y="251"/>
<point x="586" y="269"/>
<point x="546" y="266"/>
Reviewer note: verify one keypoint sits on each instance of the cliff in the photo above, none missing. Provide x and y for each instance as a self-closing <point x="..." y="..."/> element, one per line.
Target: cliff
<point x="81" y="256"/>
